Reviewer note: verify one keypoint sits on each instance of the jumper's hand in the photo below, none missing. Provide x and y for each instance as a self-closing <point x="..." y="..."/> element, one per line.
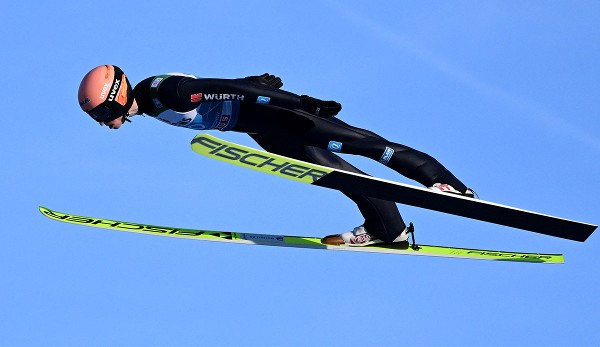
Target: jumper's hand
<point x="321" y="108"/>
<point x="266" y="79"/>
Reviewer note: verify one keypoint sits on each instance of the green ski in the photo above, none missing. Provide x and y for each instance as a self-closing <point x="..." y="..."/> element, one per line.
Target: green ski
<point x="301" y="171"/>
<point x="298" y="241"/>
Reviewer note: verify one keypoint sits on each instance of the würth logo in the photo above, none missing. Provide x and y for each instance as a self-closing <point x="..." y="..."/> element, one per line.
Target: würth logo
<point x="220" y="97"/>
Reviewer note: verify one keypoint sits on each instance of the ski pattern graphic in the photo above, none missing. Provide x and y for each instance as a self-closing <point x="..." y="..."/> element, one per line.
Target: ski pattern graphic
<point x="314" y="174"/>
<point x="297" y="241"/>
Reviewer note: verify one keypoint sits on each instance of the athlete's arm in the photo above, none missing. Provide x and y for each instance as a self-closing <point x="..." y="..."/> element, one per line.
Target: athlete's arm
<point x="241" y="89"/>
<point x="191" y="92"/>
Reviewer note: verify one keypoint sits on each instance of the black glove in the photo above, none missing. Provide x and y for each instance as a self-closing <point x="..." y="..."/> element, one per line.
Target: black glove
<point x="324" y="109"/>
<point x="266" y="79"/>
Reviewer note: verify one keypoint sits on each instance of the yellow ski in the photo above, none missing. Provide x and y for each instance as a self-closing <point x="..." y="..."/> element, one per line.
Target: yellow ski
<point x="298" y="241"/>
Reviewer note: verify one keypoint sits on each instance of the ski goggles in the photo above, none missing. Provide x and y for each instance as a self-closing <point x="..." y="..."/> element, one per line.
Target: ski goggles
<point x="105" y="114"/>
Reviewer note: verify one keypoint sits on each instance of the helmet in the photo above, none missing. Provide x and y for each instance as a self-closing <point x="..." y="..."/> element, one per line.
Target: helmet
<point x="105" y="93"/>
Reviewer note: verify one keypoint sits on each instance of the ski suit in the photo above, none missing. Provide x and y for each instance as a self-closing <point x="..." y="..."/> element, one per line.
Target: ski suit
<point x="291" y="125"/>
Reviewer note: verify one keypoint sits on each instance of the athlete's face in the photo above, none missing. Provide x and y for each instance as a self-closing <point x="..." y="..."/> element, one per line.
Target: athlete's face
<point x="114" y="124"/>
<point x="117" y="123"/>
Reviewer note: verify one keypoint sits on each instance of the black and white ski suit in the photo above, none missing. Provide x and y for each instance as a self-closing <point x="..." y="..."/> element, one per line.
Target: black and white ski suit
<point x="292" y="125"/>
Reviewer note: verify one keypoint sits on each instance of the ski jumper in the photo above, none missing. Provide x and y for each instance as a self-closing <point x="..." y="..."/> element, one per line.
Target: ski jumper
<point x="291" y="125"/>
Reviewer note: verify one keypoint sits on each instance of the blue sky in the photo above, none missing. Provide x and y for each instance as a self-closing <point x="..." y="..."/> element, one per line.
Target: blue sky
<point x="504" y="93"/>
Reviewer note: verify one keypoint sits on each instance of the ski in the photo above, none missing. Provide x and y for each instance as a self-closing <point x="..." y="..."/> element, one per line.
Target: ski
<point x="318" y="175"/>
<point x="298" y="241"/>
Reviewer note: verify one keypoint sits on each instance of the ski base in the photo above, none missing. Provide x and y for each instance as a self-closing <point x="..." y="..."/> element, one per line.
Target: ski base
<point x="299" y="241"/>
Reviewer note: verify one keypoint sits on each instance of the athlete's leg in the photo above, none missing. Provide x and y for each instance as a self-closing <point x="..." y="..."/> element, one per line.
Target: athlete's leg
<point x="333" y="134"/>
<point x="405" y="160"/>
<point x="382" y="218"/>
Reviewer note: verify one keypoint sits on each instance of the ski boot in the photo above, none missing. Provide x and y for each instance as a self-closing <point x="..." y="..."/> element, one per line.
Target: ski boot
<point x="446" y="188"/>
<point x="360" y="237"/>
